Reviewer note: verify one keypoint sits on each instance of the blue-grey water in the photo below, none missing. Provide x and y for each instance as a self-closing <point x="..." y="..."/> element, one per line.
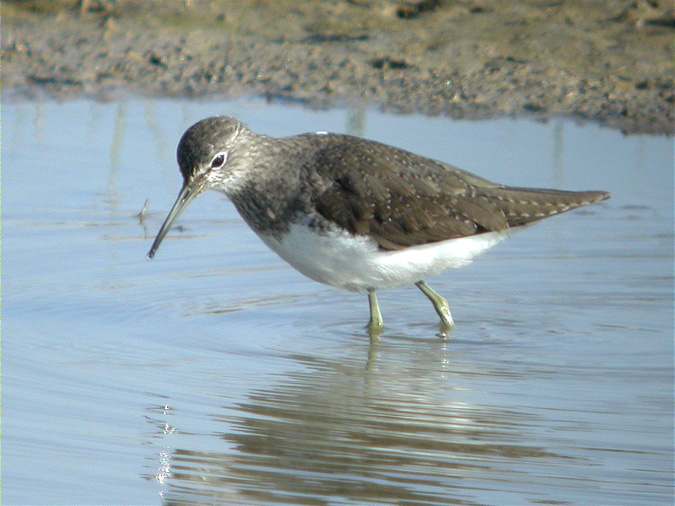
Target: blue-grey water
<point x="217" y="374"/>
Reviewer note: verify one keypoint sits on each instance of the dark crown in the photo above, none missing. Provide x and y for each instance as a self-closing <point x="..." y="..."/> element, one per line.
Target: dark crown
<point x="203" y="140"/>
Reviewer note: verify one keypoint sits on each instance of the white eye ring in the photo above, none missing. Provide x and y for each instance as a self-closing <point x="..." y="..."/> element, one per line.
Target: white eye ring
<point x="219" y="160"/>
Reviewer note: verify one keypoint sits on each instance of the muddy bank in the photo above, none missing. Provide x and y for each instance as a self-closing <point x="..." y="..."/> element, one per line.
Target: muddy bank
<point x="609" y="62"/>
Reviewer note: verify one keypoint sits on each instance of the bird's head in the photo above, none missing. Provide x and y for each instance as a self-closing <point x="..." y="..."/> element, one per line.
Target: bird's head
<point x="203" y="154"/>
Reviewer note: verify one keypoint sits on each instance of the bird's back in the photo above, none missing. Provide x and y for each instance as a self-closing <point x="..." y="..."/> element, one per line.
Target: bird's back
<point x="401" y="199"/>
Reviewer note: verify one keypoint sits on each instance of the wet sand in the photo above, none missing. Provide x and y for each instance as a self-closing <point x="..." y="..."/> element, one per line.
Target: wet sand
<point x="610" y="63"/>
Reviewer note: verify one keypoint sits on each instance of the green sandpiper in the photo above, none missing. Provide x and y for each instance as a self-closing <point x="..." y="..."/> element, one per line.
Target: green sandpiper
<point x="354" y="213"/>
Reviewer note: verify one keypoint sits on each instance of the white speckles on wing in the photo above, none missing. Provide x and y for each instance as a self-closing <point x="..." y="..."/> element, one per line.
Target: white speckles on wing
<point x="355" y="263"/>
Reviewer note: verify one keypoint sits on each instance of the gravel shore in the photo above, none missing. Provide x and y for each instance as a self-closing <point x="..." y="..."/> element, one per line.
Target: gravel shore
<point x="610" y="62"/>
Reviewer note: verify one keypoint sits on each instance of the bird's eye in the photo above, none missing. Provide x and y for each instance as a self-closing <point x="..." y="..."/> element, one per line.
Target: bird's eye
<point x="218" y="160"/>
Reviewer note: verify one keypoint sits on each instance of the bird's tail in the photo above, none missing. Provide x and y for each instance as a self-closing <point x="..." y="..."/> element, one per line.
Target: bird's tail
<point x="525" y="205"/>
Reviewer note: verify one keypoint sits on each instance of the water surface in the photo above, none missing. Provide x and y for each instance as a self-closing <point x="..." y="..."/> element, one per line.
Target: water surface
<point x="216" y="373"/>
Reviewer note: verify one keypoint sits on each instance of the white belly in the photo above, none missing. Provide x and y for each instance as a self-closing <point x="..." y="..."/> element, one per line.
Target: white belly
<point x="355" y="263"/>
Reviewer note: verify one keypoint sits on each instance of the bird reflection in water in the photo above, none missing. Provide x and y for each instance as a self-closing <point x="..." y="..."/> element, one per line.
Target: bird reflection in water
<point x="396" y="429"/>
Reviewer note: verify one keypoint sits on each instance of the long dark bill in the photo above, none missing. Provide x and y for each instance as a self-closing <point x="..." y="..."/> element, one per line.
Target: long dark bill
<point x="187" y="193"/>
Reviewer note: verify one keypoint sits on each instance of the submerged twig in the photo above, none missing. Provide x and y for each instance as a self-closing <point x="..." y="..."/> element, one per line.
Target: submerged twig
<point x="143" y="211"/>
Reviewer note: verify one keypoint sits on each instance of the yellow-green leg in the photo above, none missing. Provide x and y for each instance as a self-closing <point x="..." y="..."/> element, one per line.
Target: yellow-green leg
<point x="376" y="323"/>
<point x="440" y="304"/>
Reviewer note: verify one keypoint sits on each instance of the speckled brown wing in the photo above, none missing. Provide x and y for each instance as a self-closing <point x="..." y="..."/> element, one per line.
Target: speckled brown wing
<point x="398" y="198"/>
<point x="401" y="199"/>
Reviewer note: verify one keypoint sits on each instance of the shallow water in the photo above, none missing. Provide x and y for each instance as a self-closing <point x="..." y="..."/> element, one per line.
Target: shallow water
<point x="216" y="373"/>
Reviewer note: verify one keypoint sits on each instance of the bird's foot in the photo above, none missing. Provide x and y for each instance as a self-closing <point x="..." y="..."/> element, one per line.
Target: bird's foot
<point x="375" y="328"/>
<point x="444" y="330"/>
<point x="443" y="311"/>
<point x="441" y="307"/>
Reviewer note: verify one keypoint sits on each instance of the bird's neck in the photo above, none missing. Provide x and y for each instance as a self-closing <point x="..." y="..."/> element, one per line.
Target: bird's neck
<point x="265" y="183"/>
